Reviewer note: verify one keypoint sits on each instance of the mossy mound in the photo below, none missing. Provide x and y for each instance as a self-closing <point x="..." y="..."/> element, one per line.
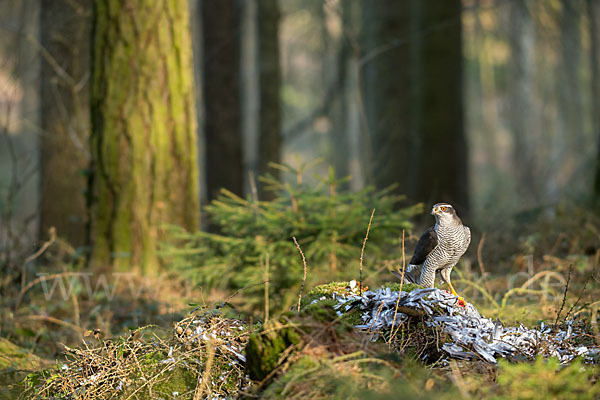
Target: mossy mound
<point x="266" y="348"/>
<point x="15" y="363"/>
<point x="15" y="358"/>
<point x="202" y="356"/>
<point x="317" y="329"/>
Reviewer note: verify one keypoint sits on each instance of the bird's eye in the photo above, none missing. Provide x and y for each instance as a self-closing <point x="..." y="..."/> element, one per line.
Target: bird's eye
<point x="444" y="209"/>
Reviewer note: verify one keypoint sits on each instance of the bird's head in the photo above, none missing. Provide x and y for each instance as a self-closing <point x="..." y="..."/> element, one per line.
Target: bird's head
<point x="445" y="213"/>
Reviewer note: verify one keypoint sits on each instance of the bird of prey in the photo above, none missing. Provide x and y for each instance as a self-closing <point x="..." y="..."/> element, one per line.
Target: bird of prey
<point x="439" y="248"/>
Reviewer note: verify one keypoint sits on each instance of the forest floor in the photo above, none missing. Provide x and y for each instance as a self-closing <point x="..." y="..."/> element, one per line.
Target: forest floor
<point x="153" y="342"/>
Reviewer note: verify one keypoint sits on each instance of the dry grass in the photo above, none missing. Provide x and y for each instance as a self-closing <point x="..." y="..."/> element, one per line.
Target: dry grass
<point x="204" y="349"/>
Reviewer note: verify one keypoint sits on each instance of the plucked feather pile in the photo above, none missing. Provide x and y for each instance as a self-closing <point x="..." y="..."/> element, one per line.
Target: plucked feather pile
<point x="472" y="336"/>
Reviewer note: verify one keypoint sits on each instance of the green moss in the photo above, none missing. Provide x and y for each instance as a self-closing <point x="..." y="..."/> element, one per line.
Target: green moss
<point x="151" y="84"/>
<point x="326" y="291"/>
<point x="304" y="365"/>
<point x="324" y="311"/>
<point x="14" y="357"/>
<point x="14" y="364"/>
<point x="178" y="380"/>
<point x="265" y="348"/>
<point x="546" y="379"/>
<point x="525" y="313"/>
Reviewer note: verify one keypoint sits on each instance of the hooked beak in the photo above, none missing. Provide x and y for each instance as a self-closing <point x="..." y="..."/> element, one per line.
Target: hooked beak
<point x="435" y="211"/>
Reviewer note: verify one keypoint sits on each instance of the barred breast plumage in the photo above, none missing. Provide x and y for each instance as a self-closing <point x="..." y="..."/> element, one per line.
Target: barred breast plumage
<point x="439" y="249"/>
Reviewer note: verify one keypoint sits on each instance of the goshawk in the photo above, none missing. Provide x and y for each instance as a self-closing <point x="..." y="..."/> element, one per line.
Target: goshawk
<point x="439" y="248"/>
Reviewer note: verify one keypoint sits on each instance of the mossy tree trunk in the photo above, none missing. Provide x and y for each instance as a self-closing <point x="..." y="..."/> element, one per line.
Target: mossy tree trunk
<point x="269" y="147"/>
<point x="65" y="120"/>
<point x="143" y="130"/>
<point x="222" y="125"/>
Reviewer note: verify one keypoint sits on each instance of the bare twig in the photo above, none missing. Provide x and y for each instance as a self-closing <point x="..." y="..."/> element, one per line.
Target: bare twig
<point x="44" y="247"/>
<point x="304" y="276"/>
<point x="458" y="380"/>
<point x="205" y="383"/>
<point x="53" y="320"/>
<point x="38" y="280"/>
<point x="239" y="290"/>
<point x="479" y="258"/>
<point x="41" y="250"/>
<point x="480" y="262"/>
<point x="362" y="252"/>
<point x="266" y="287"/>
<point x="580" y="296"/>
<point x="253" y="189"/>
<point x="399" y="294"/>
<point x="564" y="295"/>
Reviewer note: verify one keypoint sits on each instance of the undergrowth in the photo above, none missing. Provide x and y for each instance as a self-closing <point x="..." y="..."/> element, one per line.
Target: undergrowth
<point x="252" y="243"/>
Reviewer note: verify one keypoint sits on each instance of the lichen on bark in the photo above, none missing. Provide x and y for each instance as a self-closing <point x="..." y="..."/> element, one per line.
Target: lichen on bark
<point x="144" y="161"/>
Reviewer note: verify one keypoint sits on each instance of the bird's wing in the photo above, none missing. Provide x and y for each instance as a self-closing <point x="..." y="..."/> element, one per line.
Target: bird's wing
<point x="468" y="233"/>
<point x="408" y="276"/>
<point x="425" y="245"/>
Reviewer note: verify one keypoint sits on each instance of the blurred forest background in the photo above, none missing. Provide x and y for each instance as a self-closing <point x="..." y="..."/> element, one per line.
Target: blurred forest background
<point x="489" y="104"/>
<point x="119" y="119"/>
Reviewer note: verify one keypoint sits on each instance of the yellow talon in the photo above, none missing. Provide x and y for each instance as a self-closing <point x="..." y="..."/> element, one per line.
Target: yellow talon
<point x="461" y="302"/>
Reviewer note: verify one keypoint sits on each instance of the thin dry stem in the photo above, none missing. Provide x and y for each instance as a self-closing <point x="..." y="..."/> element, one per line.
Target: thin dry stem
<point x="564" y="299"/>
<point x="585" y="283"/>
<point x="266" y="287"/>
<point x="53" y="320"/>
<point x="304" y="276"/>
<point x="253" y="189"/>
<point x="38" y="280"/>
<point x="205" y="384"/>
<point x="399" y="294"/>
<point x="458" y="380"/>
<point x="479" y="259"/>
<point x="362" y="252"/>
<point x="44" y="247"/>
<point x="480" y="262"/>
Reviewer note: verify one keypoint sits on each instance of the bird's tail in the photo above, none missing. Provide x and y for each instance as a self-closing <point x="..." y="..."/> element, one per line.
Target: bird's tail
<point x="409" y="275"/>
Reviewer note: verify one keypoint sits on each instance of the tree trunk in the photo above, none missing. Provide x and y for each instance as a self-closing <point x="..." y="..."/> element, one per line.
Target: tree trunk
<point x="593" y="8"/>
<point x="65" y="32"/>
<point x="340" y="136"/>
<point x="143" y="130"/>
<point x="221" y="37"/>
<point x="443" y="156"/>
<point x="521" y="109"/>
<point x="386" y="93"/>
<point x="412" y="86"/>
<point x="269" y="148"/>
<point x="569" y="137"/>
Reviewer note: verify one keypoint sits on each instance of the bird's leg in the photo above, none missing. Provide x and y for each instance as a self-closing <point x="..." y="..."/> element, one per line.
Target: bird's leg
<point x="452" y="289"/>
<point x="445" y="273"/>
<point x="461" y="301"/>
